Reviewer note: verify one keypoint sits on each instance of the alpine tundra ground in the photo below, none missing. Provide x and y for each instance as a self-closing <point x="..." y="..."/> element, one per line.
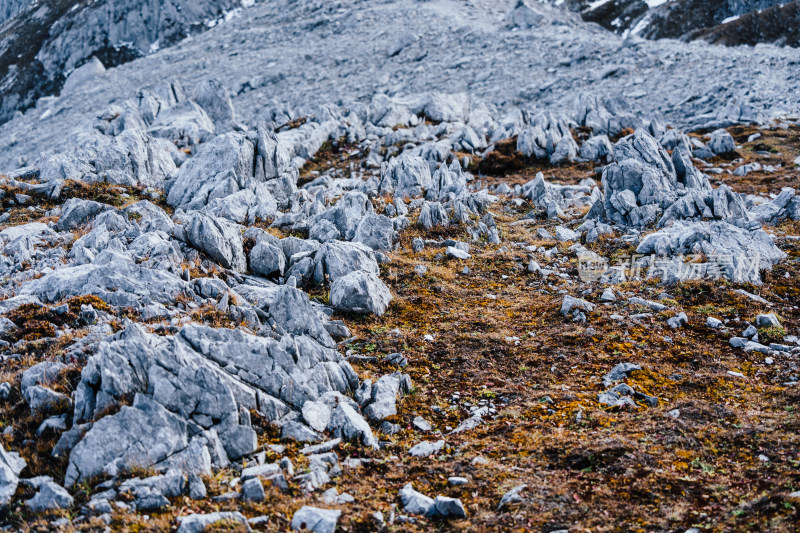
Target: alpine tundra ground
<point x="719" y="452"/>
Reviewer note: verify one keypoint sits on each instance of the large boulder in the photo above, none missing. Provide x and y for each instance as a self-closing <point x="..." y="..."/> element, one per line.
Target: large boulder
<point x="597" y="148"/>
<point x="31" y="230"/>
<point x="646" y="186"/>
<point x="375" y="231"/>
<point x="149" y="217"/>
<point x="221" y="167"/>
<point x="174" y="369"/>
<point x="233" y="162"/>
<point x="722" y="142"/>
<point x="43" y="373"/>
<point x="245" y="206"/>
<point x="783" y="206"/>
<point x="360" y="292"/>
<point x="388" y="113"/>
<point x="565" y="151"/>
<point x="83" y="75"/>
<point x="342" y="220"/>
<point x="185" y="124"/>
<point x="11" y="464"/>
<point x="137" y="436"/>
<point x="346" y="423"/>
<point x="414" y="502"/>
<point x="383" y="395"/>
<point x="43" y="400"/>
<point x="215" y="100"/>
<point x="113" y="277"/>
<point x="219" y="238"/>
<point x="337" y="259"/>
<point x="405" y="176"/>
<point x="135" y="159"/>
<point x="266" y="259"/>
<point x="443" y="107"/>
<point x="202" y="378"/>
<point x="291" y="309"/>
<point x="604" y="116"/>
<point x="65" y="166"/>
<point x="76" y="212"/>
<point x="273" y="166"/>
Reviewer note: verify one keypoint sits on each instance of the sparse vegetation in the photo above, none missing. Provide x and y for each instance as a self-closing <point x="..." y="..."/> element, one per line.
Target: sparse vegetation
<point x="498" y="338"/>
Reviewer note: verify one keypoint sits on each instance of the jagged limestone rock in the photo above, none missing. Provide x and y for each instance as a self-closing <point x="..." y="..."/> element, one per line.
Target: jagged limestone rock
<point x="360" y="292"/>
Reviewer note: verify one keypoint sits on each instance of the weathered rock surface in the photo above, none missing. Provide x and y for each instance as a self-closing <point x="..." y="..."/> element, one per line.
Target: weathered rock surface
<point x="736" y="253"/>
<point x="360" y="292"/>
<point x="113" y="277"/>
<point x="314" y="519"/>
<point x="230" y="163"/>
<point x="220" y="239"/>
<point x="11" y="464"/>
<point x="141" y="435"/>
<point x="215" y="335"/>
<point x="202" y="379"/>
<point x="56" y="40"/>
<point x="135" y="159"/>
<point x="49" y="497"/>
<point x="405" y="177"/>
<point x="197" y="523"/>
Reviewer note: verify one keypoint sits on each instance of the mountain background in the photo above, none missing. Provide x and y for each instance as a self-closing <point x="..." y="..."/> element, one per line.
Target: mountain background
<point x="726" y="22"/>
<point x="42" y="42"/>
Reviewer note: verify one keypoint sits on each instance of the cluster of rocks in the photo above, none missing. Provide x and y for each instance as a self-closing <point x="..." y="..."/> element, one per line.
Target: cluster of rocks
<point x="623" y="395"/>
<point x="206" y="329"/>
<point x="182" y="399"/>
<point x="514" y="42"/>
<point x="416" y="503"/>
<point x="644" y="187"/>
<point x="749" y="340"/>
<point x="181" y="395"/>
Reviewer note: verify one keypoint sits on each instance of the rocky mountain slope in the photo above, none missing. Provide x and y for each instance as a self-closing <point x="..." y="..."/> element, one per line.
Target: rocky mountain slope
<point x="42" y="42"/>
<point x="329" y="276"/>
<point x="285" y="59"/>
<point x="778" y="25"/>
<point x="10" y="9"/>
<point x="725" y="22"/>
